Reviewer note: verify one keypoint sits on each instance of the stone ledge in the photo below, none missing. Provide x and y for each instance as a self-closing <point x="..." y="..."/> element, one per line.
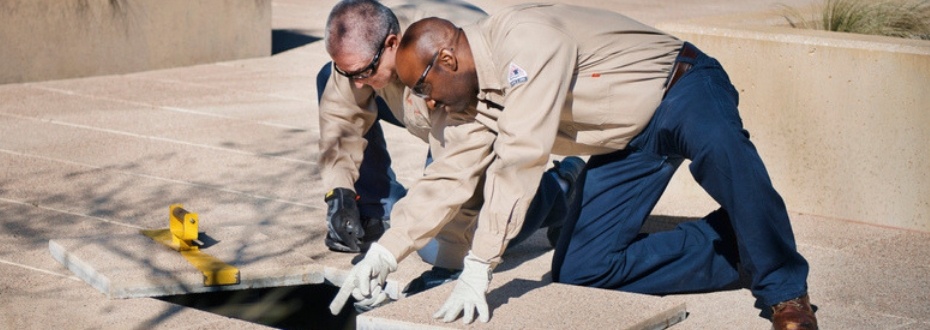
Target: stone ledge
<point x="840" y="119"/>
<point x="55" y="39"/>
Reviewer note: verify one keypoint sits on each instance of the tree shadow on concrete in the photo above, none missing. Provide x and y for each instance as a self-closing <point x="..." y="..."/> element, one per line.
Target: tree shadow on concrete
<point x="284" y="40"/>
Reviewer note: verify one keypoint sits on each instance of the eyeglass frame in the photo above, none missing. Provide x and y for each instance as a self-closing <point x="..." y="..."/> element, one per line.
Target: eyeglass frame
<point x="421" y="88"/>
<point x="372" y="66"/>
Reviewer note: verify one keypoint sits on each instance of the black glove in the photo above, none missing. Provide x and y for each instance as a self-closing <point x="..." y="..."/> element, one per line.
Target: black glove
<point x="343" y="221"/>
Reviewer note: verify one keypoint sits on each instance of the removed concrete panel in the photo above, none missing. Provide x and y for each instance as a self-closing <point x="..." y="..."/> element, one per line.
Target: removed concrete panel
<point x="133" y="265"/>
<point x="528" y="304"/>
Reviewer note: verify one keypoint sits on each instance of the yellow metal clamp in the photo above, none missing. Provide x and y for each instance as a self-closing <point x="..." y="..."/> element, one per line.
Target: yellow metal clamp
<point x="181" y="236"/>
<point x="183" y="226"/>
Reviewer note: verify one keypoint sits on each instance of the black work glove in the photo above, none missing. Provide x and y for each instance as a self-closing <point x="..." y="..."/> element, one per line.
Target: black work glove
<point x="343" y="221"/>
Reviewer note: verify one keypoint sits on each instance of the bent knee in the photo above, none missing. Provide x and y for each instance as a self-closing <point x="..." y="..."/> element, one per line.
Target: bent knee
<point x="572" y="276"/>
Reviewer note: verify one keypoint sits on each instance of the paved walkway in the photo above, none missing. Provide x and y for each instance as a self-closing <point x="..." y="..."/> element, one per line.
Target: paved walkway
<point x="236" y="142"/>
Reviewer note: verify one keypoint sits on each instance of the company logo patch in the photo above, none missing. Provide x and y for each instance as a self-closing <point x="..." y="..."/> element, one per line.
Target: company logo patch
<point x="516" y="75"/>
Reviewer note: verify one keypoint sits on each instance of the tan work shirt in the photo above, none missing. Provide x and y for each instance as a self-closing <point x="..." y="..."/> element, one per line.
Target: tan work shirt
<point x="553" y="79"/>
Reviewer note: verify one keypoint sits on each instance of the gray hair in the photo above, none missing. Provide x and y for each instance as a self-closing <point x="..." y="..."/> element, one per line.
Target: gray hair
<point x="359" y="26"/>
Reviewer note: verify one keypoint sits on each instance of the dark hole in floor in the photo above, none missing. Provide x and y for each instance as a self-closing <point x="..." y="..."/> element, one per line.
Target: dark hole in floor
<point x="289" y="307"/>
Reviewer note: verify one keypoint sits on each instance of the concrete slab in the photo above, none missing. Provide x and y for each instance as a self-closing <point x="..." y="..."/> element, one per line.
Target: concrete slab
<point x="140" y="200"/>
<point x="298" y="83"/>
<point x="232" y="102"/>
<point x="212" y="100"/>
<point x="854" y="292"/>
<point x="164" y="123"/>
<point x="522" y="296"/>
<point x="133" y="266"/>
<point x="527" y="304"/>
<point x="872" y="286"/>
<point x="215" y="166"/>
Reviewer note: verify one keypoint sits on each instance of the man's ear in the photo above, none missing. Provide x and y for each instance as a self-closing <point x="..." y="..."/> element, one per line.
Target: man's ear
<point x="447" y="59"/>
<point x="392" y="41"/>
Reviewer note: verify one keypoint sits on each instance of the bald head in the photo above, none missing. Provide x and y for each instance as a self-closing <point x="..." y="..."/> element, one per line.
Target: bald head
<point x="434" y="59"/>
<point x="426" y="36"/>
<point x="422" y="40"/>
<point x="358" y="26"/>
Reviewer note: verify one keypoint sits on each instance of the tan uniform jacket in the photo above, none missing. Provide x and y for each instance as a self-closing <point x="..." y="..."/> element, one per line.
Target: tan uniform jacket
<point x="553" y="79"/>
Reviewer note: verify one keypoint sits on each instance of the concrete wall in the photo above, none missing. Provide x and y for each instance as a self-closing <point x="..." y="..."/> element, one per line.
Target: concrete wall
<point x="55" y="39"/>
<point x="841" y="120"/>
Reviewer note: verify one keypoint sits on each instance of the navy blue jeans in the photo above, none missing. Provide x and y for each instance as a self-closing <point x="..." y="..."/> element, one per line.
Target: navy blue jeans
<point x="378" y="188"/>
<point x="601" y="245"/>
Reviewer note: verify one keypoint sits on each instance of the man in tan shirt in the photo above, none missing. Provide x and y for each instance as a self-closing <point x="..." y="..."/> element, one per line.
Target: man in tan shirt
<point x="362" y="38"/>
<point x="354" y="163"/>
<point x="538" y="79"/>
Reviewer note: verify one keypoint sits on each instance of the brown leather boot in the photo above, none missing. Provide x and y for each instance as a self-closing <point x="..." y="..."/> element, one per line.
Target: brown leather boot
<point x="794" y="314"/>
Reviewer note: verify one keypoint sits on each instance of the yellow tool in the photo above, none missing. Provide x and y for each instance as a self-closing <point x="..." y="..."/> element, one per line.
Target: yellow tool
<point x="181" y="236"/>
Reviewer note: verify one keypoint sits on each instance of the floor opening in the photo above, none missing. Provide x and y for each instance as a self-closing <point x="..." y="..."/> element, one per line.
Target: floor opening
<point x="290" y="307"/>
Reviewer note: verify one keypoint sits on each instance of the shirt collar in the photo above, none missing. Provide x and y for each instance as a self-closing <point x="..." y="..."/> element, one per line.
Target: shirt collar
<point x="488" y="78"/>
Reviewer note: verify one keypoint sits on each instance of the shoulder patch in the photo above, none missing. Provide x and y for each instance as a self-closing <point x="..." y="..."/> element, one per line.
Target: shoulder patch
<point x="516" y="75"/>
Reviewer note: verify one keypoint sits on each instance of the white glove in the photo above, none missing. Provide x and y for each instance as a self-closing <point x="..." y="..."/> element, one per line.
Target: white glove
<point x="469" y="293"/>
<point x="366" y="280"/>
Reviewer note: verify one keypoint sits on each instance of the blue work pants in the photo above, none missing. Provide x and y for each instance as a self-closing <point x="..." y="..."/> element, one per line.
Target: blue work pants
<point x="601" y="244"/>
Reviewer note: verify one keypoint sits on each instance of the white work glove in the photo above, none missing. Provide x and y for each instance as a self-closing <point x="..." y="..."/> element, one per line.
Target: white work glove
<point x="469" y="293"/>
<point x="365" y="281"/>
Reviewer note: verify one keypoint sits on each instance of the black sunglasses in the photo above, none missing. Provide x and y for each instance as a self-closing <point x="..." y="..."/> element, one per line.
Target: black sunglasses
<point x="368" y="70"/>
<point x="422" y="88"/>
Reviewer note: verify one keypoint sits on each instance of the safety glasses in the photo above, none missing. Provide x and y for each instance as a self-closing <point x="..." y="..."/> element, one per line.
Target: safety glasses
<point x="368" y="70"/>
